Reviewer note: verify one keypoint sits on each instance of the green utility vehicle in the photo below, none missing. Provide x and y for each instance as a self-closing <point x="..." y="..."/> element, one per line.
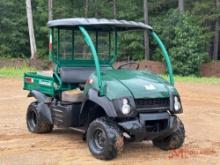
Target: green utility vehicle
<point x="108" y="105"/>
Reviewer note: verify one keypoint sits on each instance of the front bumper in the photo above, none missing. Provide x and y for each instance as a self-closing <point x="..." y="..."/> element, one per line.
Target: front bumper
<point x="150" y="125"/>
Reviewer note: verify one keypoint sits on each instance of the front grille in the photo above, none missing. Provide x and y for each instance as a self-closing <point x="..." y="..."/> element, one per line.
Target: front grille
<point x="156" y="125"/>
<point x="156" y="103"/>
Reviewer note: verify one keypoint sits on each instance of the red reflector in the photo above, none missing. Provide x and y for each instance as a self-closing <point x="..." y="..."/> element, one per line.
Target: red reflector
<point x="50" y="46"/>
<point x="29" y="79"/>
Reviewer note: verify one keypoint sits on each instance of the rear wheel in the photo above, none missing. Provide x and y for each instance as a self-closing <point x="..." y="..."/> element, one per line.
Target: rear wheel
<point x="174" y="140"/>
<point x="34" y="124"/>
<point x="104" y="139"/>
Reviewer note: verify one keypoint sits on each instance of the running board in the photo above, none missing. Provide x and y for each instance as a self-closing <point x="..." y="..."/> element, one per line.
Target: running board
<point x="79" y="129"/>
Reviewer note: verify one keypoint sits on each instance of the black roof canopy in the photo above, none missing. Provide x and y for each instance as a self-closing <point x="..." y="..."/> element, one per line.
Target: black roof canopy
<point x="99" y="24"/>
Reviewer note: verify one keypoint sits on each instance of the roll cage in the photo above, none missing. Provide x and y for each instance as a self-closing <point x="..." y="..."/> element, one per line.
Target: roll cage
<point x="85" y="26"/>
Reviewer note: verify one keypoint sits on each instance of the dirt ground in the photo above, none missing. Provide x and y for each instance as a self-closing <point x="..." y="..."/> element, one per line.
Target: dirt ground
<point x="201" y="117"/>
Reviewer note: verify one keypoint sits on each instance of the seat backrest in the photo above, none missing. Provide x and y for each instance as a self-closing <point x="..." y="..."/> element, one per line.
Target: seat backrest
<point x="75" y="74"/>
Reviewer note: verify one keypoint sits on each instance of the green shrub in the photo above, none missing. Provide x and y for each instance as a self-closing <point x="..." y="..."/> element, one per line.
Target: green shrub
<point x="187" y="42"/>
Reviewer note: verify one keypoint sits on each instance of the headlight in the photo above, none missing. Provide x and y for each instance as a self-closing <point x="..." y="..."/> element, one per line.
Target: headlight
<point x="177" y="104"/>
<point x="126" y="108"/>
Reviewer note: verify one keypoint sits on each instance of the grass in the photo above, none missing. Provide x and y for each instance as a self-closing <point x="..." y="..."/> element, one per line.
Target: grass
<point x="18" y="72"/>
<point x="194" y="79"/>
<point x="212" y="80"/>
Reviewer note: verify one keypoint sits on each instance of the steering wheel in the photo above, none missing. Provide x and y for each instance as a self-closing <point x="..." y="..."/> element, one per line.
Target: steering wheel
<point x="129" y="63"/>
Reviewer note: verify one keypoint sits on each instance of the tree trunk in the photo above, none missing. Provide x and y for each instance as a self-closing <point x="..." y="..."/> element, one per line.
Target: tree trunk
<point x="114" y="8"/>
<point x="216" y="38"/>
<point x="31" y="29"/>
<point x="50" y="10"/>
<point x="146" y="37"/>
<point x="181" y="5"/>
<point x="86" y="8"/>
<point x="96" y="9"/>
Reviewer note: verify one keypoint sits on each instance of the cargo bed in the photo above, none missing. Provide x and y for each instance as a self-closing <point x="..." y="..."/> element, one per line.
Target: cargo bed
<point x="41" y="81"/>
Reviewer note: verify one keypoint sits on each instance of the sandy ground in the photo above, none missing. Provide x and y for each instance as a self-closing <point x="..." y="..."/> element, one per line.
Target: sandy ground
<point x="201" y="117"/>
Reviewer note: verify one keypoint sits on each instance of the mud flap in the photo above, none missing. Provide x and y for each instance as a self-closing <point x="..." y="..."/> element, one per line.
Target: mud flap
<point x="42" y="106"/>
<point x="44" y="112"/>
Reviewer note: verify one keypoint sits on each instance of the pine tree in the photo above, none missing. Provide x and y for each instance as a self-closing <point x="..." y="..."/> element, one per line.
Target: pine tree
<point x="86" y="8"/>
<point x="181" y="5"/>
<point x="146" y="37"/>
<point x="50" y="9"/>
<point x="216" y="38"/>
<point x="114" y="8"/>
<point x="31" y="29"/>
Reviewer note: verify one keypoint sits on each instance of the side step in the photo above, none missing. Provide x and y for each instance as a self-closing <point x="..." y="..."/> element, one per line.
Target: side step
<point x="79" y="129"/>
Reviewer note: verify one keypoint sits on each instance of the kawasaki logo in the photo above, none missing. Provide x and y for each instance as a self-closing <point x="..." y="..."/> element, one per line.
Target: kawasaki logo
<point x="45" y="83"/>
<point x="150" y="87"/>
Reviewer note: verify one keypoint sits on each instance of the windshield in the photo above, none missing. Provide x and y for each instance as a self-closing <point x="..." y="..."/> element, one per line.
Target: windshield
<point x="69" y="46"/>
<point x="131" y="45"/>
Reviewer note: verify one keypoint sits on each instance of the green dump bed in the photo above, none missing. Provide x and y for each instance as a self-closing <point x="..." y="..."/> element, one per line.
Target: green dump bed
<point x="40" y="81"/>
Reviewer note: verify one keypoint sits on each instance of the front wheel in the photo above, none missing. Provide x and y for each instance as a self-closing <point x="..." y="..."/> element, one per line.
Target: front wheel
<point x="174" y="140"/>
<point x="104" y="139"/>
<point x="34" y="123"/>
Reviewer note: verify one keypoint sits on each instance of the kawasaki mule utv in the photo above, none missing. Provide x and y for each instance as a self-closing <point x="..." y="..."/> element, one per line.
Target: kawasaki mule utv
<point x="108" y="105"/>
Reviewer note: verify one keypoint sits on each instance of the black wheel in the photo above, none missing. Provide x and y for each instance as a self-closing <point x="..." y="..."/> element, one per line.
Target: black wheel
<point x="104" y="139"/>
<point x="174" y="140"/>
<point x="34" y="124"/>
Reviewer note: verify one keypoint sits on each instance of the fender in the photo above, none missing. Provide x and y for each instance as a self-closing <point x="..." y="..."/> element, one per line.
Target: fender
<point x="39" y="96"/>
<point x="102" y="101"/>
<point x="42" y="106"/>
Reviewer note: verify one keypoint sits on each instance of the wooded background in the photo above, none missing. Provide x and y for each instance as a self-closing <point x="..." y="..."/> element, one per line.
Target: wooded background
<point x="190" y="29"/>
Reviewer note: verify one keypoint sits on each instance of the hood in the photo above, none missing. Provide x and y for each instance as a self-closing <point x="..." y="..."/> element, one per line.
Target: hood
<point x="138" y="84"/>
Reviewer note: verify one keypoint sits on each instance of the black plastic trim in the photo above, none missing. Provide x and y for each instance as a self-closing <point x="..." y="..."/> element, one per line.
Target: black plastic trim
<point x="42" y="106"/>
<point x="103" y="101"/>
<point x="39" y="96"/>
<point x="136" y="127"/>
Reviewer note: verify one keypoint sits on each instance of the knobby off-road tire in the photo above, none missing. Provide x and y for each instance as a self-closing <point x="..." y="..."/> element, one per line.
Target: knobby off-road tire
<point x="174" y="140"/>
<point x="104" y="139"/>
<point x="34" y="124"/>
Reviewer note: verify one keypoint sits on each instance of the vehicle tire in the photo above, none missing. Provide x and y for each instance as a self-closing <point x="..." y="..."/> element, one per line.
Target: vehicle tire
<point x="34" y="124"/>
<point x="174" y="140"/>
<point x="104" y="139"/>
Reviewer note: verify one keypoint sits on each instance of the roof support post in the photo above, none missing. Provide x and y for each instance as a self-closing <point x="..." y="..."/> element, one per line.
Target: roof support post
<point x="51" y="33"/>
<point x="95" y="56"/>
<point x="165" y="55"/>
<point x="116" y="49"/>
